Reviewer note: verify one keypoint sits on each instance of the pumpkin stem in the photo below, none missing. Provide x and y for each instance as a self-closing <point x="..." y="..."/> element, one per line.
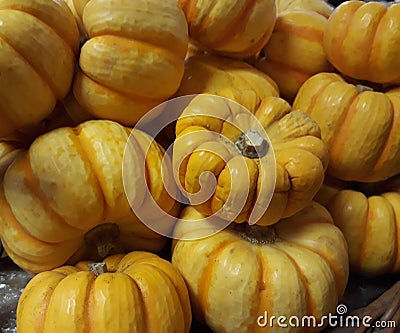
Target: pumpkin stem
<point x="362" y="88"/>
<point x="103" y="238"/>
<point x="251" y="144"/>
<point x="98" y="268"/>
<point x="256" y="234"/>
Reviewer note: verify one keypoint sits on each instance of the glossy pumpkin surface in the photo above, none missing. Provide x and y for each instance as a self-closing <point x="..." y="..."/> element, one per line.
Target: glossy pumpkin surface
<point x="295" y="50"/>
<point x="359" y="125"/>
<point x="65" y="197"/>
<point x="133" y="59"/>
<point x="125" y="297"/>
<point x="232" y="28"/>
<point x="361" y="40"/>
<point x="39" y="43"/>
<point x="297" y="267"/>
<point x="369" y="217"/>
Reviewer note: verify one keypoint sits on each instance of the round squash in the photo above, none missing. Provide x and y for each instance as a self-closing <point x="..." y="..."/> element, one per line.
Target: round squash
<point x="297" y="267"/>
<point x="232" y="28"/>
<point x="284" y="170"/>
<point x="8" y="152"/>
<point x="295" y="50"/>
<point x="124" y="294"/>
<point x="361" y="40"/>
<point x="233" y="79"/>
<point x="133" y="59"/>
<point x="39" y="42"/>
<point x="369" y="216"/>
<point x="65" y="198"/>
<point x="321" y="7"/>
<point x="359" y="125"/>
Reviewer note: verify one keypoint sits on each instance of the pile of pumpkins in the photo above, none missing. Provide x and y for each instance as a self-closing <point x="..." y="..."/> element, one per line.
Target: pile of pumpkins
<point x="76" y="76"/>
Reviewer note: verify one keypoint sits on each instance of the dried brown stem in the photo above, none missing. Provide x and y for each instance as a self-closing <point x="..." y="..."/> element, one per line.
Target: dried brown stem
<point x="103" y="238"/>
<point x="98" y="268"/>
<point x="252" y="145"/>
<point x="256" y="234"/>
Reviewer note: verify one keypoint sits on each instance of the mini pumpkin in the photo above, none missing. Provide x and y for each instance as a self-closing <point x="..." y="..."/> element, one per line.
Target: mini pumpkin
<point x="39" y="42"/>
<point x="236" y="29"/>
<point x="216" y="135"/>
<point x="234" y="79"/>
<point x="359" y="125"/>
<point x="8" y="152"/>
<point x="369" y="216"/>
<point x="137" y="292"/>
<point x="66" y="197"/>
<point x="322" y="7"/>
<point x="295" y="50"/>
<point x="298" y="267"/>
<point x="359" y="40"/>
<point x="133" y="59"/>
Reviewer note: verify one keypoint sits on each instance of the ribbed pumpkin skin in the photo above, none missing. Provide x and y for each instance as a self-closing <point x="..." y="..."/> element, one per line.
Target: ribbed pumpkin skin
<point x="374" y="29"/>
<point x="134" y="58"/>
<point x="69" y="182"/>
<point x="237" y="29"/>
<point x="295" y="50"/>
<point x="322" y="7"/>
<point x="8" y="152"/>
<point x="233" y="79"/>
<point x="137" y="288"/>
<point x="77" y="7"/>
<point x="300" y="157"/>
<point x="233" y="281"/>
<point x="359" y="127"/>
<point x="369" y="222"/>
<point x="39" y="42"/>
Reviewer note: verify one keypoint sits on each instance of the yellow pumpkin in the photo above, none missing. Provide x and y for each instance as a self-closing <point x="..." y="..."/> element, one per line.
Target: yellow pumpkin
<point x="361" y="40"/>
<point x="137" y="292"/>
<point x="39" y="42"/>
<point x="295" y="50"/>
<point x="236" y="29"/>
<point x="66" y="197"/>
<point x="369" y="216"/>
<point x="322" y="7"/>
<point x="234" y="79"/>
<point x="359" y="125"/>
<point x="77" y="7"/>
<point x="209" y="139"/>
<point x="298" y="267"/>
<point x="8" y="152"/>
<point x="133" y="59"/>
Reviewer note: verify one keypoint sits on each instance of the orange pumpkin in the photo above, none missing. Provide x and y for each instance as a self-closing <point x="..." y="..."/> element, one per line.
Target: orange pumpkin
<point x="66" y="197"/>
<point x="295" y="50"/>
<point x="232" y="28"/>
<point x="38" y="48"/>
<point x="230" y="78"/>
<point x="320" y="6"/>
<point x="369" y="216"/>
<point x="124" y="294"/>
<point x="133" y="59"/>
<point x="359" y="125"/>
<point x="361" y="40"/>
<point x="298" y="267"/>
<point x="214" y="135"/>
